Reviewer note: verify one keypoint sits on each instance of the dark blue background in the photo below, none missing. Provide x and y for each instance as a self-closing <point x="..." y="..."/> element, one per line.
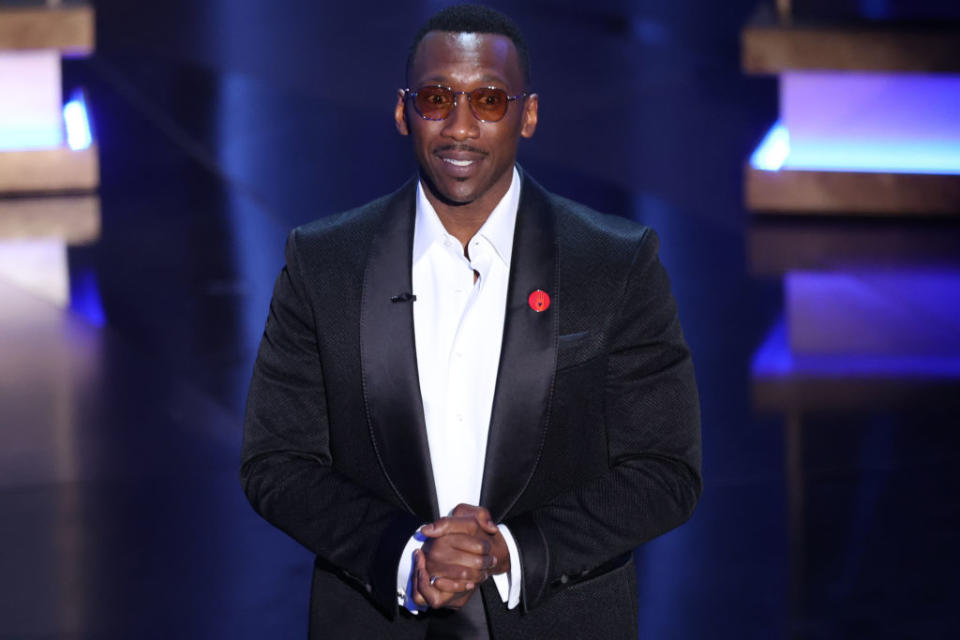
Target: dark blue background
<point x="222" y="124"/>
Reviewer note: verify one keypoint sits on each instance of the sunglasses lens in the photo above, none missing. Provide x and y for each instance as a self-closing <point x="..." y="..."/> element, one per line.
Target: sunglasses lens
<point x="434" y="103"/>
<point x="489" y="104"/>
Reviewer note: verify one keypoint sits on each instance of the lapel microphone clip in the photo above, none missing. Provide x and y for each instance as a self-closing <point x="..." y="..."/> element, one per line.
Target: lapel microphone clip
<point x="404" y="297"/>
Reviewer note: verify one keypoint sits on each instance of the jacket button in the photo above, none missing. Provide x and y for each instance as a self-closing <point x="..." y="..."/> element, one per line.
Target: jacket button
<point x="564" y="579"/>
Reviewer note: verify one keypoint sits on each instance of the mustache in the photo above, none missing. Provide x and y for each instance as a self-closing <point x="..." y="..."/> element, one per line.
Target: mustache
<point x="459" y="147"/>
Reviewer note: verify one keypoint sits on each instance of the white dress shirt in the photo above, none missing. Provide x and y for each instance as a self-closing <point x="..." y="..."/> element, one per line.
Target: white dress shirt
<point x="458" y="329"/>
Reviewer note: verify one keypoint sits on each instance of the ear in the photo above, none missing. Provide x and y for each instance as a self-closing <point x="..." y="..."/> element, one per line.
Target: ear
<point x="529" y="124"/>
<point x="400" y="115"/>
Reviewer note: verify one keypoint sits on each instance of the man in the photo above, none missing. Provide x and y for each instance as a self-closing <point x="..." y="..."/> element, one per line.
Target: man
<point x="479" y="356"/>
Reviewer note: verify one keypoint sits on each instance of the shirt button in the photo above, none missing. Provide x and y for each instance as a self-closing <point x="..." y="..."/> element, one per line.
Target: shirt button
<point x="459" y="354"/>
<point x="459" y="417"/>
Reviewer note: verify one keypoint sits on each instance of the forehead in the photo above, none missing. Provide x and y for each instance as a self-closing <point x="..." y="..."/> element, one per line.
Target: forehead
<point x="444" y="56"/>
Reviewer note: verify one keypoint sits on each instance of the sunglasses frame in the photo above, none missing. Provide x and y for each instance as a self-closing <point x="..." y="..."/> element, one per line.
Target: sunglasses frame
<point x="410" y="93"/>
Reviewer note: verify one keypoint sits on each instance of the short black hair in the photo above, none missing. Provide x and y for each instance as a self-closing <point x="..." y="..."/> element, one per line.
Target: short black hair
<point x="473" y="18"/>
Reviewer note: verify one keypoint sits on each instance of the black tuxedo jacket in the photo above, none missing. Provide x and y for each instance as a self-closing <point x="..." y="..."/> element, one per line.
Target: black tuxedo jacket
<point x="594" y="442"/>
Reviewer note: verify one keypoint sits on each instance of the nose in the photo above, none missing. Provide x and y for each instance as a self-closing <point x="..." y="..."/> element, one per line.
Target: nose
<point x="460" y="124"/>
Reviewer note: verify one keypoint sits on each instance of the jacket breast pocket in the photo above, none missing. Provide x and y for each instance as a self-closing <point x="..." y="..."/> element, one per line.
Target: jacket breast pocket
<point x="574" y="349"/>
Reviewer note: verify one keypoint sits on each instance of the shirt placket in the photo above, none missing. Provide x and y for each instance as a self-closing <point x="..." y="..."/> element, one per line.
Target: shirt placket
<point x="462" y="436"/>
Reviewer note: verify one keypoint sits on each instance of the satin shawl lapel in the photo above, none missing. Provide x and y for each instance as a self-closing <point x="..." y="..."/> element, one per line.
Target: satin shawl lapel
<point x="528" y="357"/>
<point x="391" y="386"/>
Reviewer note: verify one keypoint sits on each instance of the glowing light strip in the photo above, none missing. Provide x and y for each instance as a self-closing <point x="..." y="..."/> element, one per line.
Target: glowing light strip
<point x="77" y="121"/>
<point x="773" y="149"/>
<point x="85" y="299"/>
<point x="778" y="151"/>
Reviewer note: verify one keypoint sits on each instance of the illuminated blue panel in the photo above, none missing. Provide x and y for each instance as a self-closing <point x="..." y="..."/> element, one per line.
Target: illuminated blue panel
<point x="30" y="100"/>
<point x="865" y="122"/>
<point x="774" y="359"/>
<point x="930" y="157"/>
<point x="780" y="150"/>
<point x="889" y="311"/>
<point x="30" y="138"/>
<point x="77" y="122"/>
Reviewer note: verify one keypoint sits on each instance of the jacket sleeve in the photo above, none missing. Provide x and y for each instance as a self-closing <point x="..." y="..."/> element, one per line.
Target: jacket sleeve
<point x="287" y="470"/>
<point x="652" y="423"/>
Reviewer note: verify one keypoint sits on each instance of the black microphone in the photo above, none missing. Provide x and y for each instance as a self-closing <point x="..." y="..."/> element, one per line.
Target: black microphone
<point x="404" y="297"/>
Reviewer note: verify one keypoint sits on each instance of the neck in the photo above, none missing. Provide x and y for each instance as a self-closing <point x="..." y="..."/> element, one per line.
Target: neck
<point x="463" y="220"/>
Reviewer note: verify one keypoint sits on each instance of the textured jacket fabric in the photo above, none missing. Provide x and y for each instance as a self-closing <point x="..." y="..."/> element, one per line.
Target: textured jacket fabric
<point x="594" y="442"/>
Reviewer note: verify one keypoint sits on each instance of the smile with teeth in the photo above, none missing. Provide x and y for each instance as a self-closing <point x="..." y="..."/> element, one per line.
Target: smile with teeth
<point x="459" y="163"/>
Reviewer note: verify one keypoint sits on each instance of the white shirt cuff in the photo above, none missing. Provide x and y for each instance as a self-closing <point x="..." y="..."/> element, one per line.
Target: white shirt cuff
<point x="508" y="584"/>
<point x="405" y="573"/>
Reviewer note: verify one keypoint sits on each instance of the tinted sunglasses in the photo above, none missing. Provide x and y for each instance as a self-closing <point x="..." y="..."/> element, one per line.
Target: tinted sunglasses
<point x="436" y="102"/>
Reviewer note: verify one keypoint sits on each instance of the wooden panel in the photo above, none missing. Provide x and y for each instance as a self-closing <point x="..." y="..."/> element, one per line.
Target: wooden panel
<point x="810" y="393"/>
<point x="778" y="245"/>
<point x="832" y="192"/>
<point x="39" y="266"/>
<point x="74" y="219"/>
<point x="69" y="28"/>
<point x="768" y="47"/>
<point x="40" y="170"/>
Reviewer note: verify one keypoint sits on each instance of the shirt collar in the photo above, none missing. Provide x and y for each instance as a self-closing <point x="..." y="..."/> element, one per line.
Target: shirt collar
<point x="498" y="228"/>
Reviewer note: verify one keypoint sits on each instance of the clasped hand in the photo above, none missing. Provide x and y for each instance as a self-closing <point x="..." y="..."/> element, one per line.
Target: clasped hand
<point x="462" y="550"/>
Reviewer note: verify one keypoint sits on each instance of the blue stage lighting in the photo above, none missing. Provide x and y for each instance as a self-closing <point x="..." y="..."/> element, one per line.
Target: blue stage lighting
<point x="777" y="151"/>
<point x="773" y="150"/>
<point x="77" y="121"/>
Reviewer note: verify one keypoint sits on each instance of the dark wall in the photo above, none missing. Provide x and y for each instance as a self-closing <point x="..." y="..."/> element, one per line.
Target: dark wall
<point x="619" y="84"/>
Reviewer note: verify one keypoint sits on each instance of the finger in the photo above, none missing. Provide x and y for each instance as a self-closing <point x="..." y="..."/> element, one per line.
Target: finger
<point x="441" y="560"/>
<point x="432" y="595"/>
<point x="418" y="566"/>
<point x="418" y="599"/>
<point x="456" y="549"/>
<point x="450" y="525"/>
<point x="480" y="514"/>
<point x="455" y="572"/>
<point x="452" y="587"/>
<point x="486" y="520"/>
<point x="471" y="544"/>
<point x="447" y="561"/>
<point x="464" y="509"/>
<point x="488" y="525"/>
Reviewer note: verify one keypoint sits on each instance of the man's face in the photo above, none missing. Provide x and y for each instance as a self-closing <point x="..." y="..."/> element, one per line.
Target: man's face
<point x="463" y="159"/>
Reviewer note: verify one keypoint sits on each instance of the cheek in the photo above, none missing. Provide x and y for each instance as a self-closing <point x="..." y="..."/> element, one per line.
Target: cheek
<point x="422" y="137"/>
